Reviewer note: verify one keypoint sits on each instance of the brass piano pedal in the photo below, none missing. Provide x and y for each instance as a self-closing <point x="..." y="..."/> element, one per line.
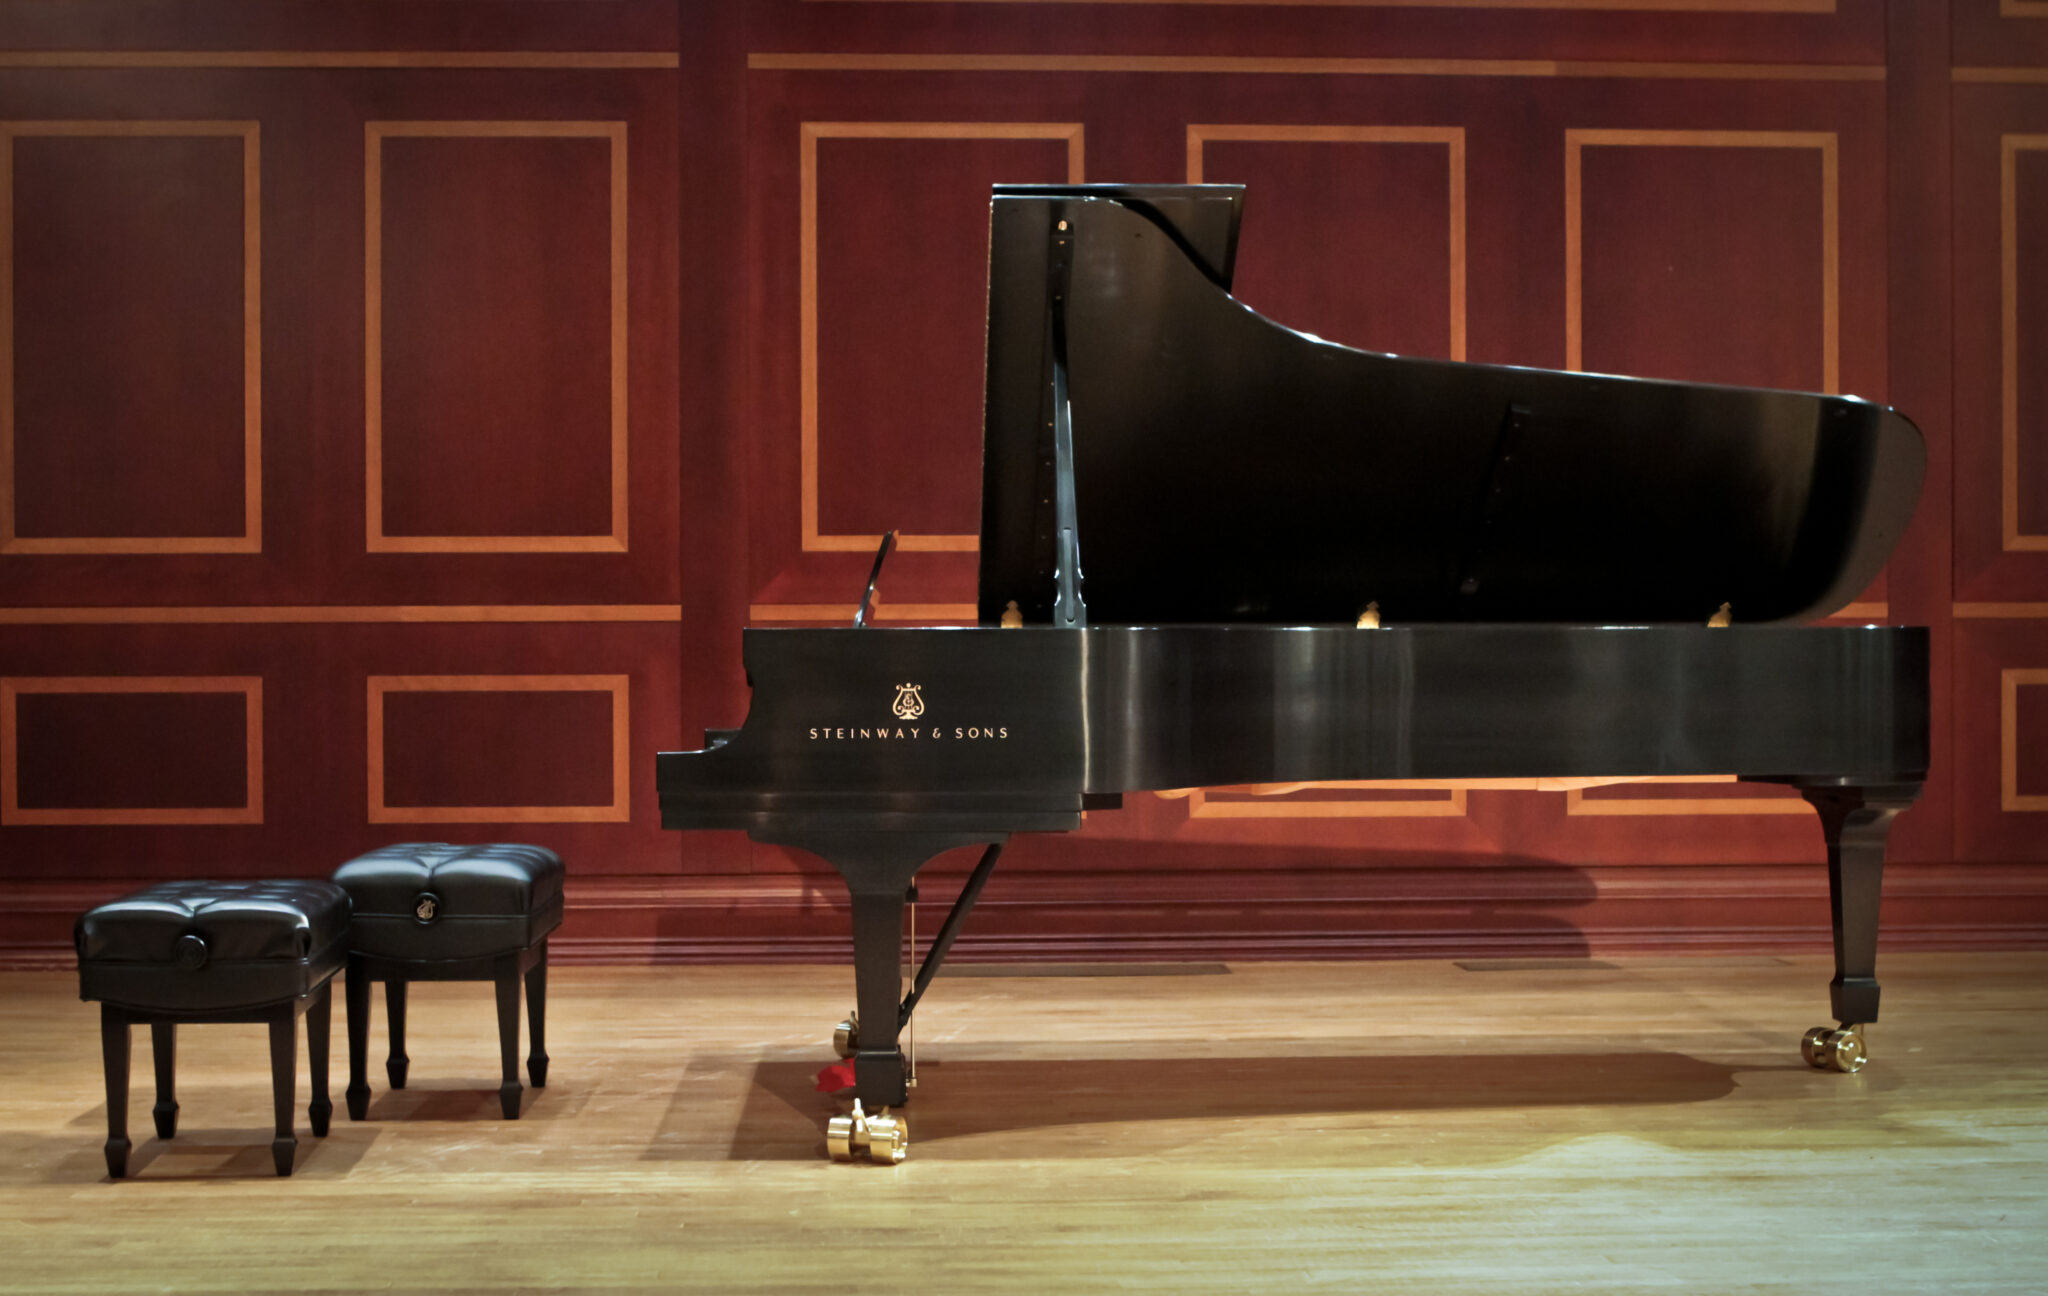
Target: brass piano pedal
<point x="882" y="1138"/>
<point x="846" y="1036"/>
<point x="1829" y="1048"/>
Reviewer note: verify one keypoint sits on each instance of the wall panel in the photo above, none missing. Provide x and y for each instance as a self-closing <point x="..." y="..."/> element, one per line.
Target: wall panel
<point x="132" y="280"/>
<point x="586" y="332"/>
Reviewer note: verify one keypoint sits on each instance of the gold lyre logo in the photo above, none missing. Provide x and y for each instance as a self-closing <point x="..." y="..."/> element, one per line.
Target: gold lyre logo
<point x="909" y="704"/>
<point x="424" y="909"/>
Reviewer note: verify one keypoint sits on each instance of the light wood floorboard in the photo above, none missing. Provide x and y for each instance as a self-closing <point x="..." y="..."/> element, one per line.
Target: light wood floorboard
<point x="1633" y="1125"/>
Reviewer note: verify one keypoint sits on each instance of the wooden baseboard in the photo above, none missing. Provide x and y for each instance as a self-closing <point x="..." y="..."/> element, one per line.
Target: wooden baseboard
<point x="1244" y="915"/>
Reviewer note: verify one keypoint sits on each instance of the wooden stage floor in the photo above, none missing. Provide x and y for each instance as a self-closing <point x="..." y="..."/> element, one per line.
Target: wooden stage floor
<point x="1632" y="1125"/>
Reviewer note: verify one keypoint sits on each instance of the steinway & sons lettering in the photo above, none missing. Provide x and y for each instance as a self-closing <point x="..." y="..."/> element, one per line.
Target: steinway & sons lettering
<point x="907" y="733"/>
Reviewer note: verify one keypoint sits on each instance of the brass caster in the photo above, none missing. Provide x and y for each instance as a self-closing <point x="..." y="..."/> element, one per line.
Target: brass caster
<point x="846" y="1036"/>
<point x="839" y="1136"/>
<point x="888" y="1138"/>
<point x="885" y="1139"/>
<point x="1835" y="1049"/>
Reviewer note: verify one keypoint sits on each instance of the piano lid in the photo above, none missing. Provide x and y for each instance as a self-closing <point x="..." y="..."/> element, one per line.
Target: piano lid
<point x="1228" y="469"/>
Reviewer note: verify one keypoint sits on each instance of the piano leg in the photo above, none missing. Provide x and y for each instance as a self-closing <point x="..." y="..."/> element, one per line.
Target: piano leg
<point x="1856" y="822"/>
<point x="878" y="867"/>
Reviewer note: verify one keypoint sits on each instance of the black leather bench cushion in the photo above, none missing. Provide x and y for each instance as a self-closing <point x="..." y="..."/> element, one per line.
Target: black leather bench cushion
<point x="433" y="901"/>
<point x="209" y="946"/>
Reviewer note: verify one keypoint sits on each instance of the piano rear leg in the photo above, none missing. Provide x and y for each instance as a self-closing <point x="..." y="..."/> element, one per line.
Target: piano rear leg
<point x="1856" y="822"/>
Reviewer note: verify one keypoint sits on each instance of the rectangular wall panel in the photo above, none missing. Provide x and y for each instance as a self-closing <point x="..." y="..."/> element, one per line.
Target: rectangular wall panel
<point x="1372" y="249"/>
<point x="2001" y="303"/>
<point x="130" y="337"/>
<point x="495" y="350"/>
<point x="564" y="741"/>
<point x="116" y="750"/>
<point x="1706" y="256"/>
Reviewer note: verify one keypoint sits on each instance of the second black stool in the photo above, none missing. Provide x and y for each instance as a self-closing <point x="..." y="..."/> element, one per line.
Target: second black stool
<point x="429" y="911"/>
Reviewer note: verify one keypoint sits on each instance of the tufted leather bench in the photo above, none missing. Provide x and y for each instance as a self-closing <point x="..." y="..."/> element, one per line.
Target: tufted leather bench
<point x="187" y="952"/>
<point x="429" y="911"/>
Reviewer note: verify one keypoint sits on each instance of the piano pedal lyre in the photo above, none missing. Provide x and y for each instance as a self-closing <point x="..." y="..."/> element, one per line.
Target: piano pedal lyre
<point x="1835" y="1048"/>
<point x="882" y="1138"/>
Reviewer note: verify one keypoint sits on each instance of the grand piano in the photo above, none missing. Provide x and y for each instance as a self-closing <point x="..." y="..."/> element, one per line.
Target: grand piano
<point x="1218" y="551"/>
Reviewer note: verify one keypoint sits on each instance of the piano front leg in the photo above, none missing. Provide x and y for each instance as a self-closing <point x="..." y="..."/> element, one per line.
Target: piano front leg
<point x="878" y="868"/>
<point x="1856" y="821"/>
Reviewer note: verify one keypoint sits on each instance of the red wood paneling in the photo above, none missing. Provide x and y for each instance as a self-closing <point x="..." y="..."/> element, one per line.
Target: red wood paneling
<point x="1675" y="191"/>
<point x="1710" y="256"/>
<point x="85" y="752"/>
<point x="131" y="287"/>
<point x="494" y="266"/>
<point x="542" y="745"/>
<point x="900" y="269"/>
<point x="1361" y="229"/>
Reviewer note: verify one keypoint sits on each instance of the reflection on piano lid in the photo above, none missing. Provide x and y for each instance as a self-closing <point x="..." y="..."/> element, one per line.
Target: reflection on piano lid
<point x="1227" y="469"/>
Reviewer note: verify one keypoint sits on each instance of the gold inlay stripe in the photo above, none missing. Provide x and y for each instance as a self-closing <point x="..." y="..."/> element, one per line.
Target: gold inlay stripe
<point x="618" y="686"/>
<point x="1224" y="63"/>
<point x="1577" y="141"/>
<point x="595" y="59"/>
<point x="2009" y="149"/>
<point x="1452" y="138"/>
<point x="251" y="539"/>
<point x="403" y="614"/>
<point x="249" y="812"/>
<point x="2009" y="684"/>
<point x="376" y="540"/>
<point x="813" y="540"/>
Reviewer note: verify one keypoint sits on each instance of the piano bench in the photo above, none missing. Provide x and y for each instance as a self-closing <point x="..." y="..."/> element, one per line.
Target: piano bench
<point x="187" y="952"/>
<point x="429" y="911"/>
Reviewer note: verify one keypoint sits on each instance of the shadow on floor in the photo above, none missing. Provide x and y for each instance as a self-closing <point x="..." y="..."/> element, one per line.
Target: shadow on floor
<point x="199" y="1154"/>
<point x="783" y="1115"/>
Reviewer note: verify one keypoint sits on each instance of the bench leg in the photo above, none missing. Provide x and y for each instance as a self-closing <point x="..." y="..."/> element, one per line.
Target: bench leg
<point x="394" y="1008"/>
<point x="163" y="1043"/>
<point x="284" y="1057"/>
<point x="508" y="1034"/>
<point x="357" y="993"/>
<point x="114" y="1052"/>
<point x="537" y="1020"/>
<point x="319" y="1020"/>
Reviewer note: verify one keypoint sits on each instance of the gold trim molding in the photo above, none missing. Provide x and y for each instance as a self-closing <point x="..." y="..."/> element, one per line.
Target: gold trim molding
<point x="1655" y="6"/>
<point x="415" y="614"/>
<point x="2009" y="149"/>
<point x="1577" y="141"/>
<point x="1272" y="805"/>
<point x="1236" y="64"/>
<point x="13" y="815"/>
<point x="2009" y="795"/>
<point x="509" y="59"/>
<point x="814" y="541"/>
<point x="374" y="135"/>
<point x="1452" y="138"/>
<point x="1577" y="803"/>
<point x="251" y="539"/>
<point x="618" y="686"/>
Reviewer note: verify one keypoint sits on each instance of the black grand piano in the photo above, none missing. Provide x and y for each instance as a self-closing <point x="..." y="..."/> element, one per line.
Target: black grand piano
<point x="1218" y="551"/>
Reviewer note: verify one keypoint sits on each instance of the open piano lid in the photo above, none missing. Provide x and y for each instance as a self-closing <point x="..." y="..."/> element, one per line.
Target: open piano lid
<point x="1229" y="469"/>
